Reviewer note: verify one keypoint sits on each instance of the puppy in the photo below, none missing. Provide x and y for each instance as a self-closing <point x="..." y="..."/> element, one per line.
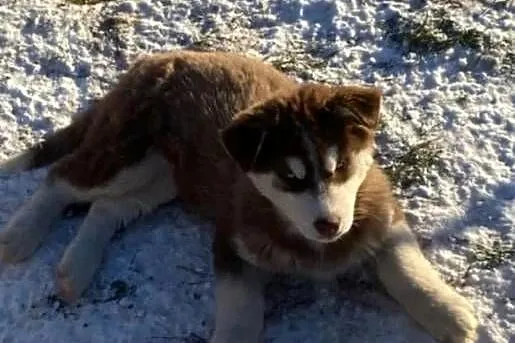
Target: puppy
<point x="283" y="170"/>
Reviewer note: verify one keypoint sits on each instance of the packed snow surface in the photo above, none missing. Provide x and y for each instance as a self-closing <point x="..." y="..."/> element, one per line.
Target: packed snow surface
<point x="156" y="283"/>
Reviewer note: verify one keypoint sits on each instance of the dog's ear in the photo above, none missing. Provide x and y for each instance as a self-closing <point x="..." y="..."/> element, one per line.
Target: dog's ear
<point x="244" y="137"/>
<point x="357" y="103"/>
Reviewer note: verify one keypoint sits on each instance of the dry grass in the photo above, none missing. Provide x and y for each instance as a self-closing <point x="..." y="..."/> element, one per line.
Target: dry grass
<point x="86" y="2"/>
<point x="412" y="167"/>
<point x="433" y="31"/>
<point x="483" y="256"/>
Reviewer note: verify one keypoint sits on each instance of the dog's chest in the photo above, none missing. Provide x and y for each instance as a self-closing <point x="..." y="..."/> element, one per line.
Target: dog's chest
<point x="290" y="259"/>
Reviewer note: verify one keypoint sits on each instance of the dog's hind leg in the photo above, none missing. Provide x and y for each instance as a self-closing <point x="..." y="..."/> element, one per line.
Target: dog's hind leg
<point x="84" y="254"/>
<point x="32" y="222"/>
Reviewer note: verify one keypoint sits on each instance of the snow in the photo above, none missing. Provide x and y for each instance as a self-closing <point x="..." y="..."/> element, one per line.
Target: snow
<point x="156" y="283"/>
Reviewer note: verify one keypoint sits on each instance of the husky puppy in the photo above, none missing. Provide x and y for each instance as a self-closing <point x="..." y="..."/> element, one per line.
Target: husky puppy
<point x="283" y="170"/>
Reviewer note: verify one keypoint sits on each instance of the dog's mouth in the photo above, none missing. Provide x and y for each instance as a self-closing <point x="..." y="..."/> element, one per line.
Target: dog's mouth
<point x="326" y="239"/>
<point x="327" y="230"/>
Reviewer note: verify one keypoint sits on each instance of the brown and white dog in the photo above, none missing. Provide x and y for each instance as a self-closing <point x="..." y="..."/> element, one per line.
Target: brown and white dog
<point x="284" y="170"/>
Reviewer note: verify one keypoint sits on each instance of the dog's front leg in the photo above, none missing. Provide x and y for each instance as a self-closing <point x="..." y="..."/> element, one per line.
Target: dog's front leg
<point x="417" y="286"/>
<point x="239" y="298"/>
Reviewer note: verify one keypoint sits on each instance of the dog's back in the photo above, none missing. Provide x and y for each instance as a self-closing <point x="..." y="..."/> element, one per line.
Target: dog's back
<point x="115" y="155"/>
<point x="200" y="95"/>
<point x="187" y="94"/>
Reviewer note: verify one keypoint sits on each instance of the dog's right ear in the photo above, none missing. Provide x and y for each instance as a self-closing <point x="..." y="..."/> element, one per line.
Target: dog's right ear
<point x="245" y="136"/>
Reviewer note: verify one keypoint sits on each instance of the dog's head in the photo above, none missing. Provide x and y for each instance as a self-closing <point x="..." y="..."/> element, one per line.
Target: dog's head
<point x="308" y="152"/>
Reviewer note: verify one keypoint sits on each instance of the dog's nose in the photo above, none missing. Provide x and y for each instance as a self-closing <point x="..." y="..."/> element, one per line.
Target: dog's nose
<point x="327" y="227"/>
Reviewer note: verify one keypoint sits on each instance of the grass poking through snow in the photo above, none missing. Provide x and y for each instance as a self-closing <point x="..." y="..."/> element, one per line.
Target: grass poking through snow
<point x="298" y="58"/>
<point x="492" y="256"/>
<point x="434" y="31"/>
<point x="110" y="34"/>
<point x="86" y="2"/>
<point x="484" y="256"/>
<point x="411" y="168"/>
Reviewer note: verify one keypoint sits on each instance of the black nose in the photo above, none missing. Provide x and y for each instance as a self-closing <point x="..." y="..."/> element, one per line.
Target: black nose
<point x="327" y="227"/>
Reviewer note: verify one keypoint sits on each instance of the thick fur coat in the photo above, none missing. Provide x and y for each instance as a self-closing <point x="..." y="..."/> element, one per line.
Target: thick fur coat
<point x="284" y="171"/>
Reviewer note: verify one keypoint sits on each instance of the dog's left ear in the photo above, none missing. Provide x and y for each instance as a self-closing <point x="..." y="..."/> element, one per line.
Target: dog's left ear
<point x="359" y="103"/>
<point x="244" y="138"/>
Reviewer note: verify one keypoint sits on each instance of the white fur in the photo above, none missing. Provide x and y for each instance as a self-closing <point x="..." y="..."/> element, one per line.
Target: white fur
<point x="127" y="180"/>
<point x="297" y="167"/>
<point x="331" y="159"/>
<point x="340" y="199"/>
<point x="240" y="308"/>
<point x="28" y="227"/>
<point x="132" y="192"/>
<point x="415" y="284"/>
<point x="302" y="209"/>
<point x="84" y="254"/>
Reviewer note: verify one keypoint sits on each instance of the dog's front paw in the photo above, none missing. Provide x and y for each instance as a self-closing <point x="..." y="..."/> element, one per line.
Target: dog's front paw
<point x="463" y="324"/>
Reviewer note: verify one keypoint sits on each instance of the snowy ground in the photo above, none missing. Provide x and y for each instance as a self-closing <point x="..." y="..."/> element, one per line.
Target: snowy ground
<point x="156" y="285"/>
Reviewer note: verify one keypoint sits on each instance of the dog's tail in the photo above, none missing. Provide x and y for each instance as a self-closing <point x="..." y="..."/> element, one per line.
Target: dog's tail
<point x="53" y="147"/>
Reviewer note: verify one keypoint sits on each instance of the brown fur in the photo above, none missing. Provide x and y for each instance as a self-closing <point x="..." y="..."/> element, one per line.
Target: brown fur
<point x="206" y="113"/>
<point x="252" y="218"/>
<point x="265" y="235"/>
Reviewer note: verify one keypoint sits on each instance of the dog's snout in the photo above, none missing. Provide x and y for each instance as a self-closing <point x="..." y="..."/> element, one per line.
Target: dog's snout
<point x="327" y="227"/>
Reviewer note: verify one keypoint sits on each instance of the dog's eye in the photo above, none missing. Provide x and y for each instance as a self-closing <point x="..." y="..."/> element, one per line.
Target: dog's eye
<point x="285" y="173"/>
<point x="291" y="169"/>
<point x="292" y="175"/>
<point x="342" y="164"/>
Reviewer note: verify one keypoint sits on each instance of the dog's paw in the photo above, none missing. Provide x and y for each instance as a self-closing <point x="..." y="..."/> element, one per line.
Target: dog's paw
<point x="466" y="330"/>
<point x="68" y="286"/>
<point x="463" y="324"/>
<point x="77" y="269"/>
<point x="17" y="244"/>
